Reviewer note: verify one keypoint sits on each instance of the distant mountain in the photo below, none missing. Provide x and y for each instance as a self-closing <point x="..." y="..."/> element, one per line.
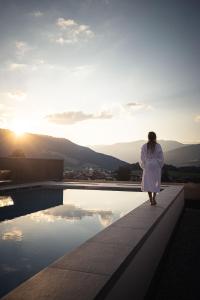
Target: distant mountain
<point x="184" y="156"/>
<point x="43" y="146"/>
<point x="130" y="152"/>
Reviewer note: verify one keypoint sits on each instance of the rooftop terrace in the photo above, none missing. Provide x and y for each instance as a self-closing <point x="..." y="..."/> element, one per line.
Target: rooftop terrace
<point x="126" y="259"/>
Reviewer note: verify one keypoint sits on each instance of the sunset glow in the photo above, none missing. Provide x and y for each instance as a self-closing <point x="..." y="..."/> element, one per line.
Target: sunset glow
<point x="19" y="132"/>
<point x="18" y="127"/>
<point x="101" y="72"/>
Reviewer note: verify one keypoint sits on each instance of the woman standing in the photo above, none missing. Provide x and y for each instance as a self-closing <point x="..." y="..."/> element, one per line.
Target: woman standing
<point x="152" y="161"/>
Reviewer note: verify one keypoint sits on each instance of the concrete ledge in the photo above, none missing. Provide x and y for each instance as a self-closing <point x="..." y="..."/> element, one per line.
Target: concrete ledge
<point x="74" y="185"/>
<point x="57" y="284"/>
<point x="135" y="276"/>
<point x="117" y="263"/>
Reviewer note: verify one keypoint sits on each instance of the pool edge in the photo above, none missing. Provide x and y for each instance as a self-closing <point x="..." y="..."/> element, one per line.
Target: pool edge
<point x="141" y="224"/>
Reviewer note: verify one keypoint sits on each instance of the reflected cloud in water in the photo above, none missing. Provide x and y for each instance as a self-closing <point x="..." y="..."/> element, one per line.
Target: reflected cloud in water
<point x="14" y="234"/>
<point x="6" y="201"/>
<point x="8" y="269"/>
<point x="70" y="212"/>
<point x="40" y="225"/>
<point x="105" y="219"/>
<point x="20" y="203"/>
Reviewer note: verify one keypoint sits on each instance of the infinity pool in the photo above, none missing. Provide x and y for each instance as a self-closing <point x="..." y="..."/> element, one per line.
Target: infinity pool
<point x="38" y="226"/>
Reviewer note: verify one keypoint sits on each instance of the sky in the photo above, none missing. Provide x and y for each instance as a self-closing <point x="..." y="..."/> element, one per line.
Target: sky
<point x="101" y="71"/>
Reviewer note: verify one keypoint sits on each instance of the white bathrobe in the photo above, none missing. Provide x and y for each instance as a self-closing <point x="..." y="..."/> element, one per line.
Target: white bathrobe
<point x="151" y="163"/>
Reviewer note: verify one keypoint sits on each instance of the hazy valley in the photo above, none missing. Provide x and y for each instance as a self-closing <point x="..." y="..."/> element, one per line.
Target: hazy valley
<point x="108" y="157"/>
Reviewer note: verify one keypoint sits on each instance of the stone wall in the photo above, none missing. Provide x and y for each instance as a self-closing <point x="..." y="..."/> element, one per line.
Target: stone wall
<point x="32" y="169"/>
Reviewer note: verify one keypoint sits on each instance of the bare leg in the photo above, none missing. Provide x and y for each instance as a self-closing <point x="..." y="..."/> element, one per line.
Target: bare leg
<point x="150" y="197"/>
<point x="154" y="198"/>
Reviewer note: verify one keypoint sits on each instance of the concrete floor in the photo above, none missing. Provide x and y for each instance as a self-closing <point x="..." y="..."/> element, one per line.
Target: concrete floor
<point x="177" y="277"/>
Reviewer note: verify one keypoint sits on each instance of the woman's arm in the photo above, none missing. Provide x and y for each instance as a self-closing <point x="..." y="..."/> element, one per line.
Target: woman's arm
<point x="160" y="157"/>
<point x="142" y="158"/>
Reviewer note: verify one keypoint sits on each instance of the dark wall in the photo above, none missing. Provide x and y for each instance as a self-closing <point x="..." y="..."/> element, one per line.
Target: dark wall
<point x="31" y="169"/>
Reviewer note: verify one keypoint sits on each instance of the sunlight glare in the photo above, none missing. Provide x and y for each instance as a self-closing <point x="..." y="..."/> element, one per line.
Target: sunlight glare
<point x="18" y="127"/>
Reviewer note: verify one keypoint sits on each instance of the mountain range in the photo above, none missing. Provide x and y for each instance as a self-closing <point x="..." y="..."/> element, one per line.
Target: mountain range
<point x="185" y="156"/>
<point x="130" y="151"/>
<point x="108" y="157"/>
<point x="175" y="153"/>
<point x="43" y="146"/>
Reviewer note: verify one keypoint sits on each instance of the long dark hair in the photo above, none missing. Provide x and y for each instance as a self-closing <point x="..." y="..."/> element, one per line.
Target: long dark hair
<point x="152" y="141"/>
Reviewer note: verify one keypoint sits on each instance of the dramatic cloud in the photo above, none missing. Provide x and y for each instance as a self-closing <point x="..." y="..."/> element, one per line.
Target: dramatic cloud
<point x="70" y="32"/>
<point x="17" y="95"/>
<point x="72" y="117"/>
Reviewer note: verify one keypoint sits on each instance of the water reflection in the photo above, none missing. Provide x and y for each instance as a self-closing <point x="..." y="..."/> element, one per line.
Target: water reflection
<point x="14" y="234"/>
<point x="70" y="212"/>
<point x="6" y="201"/>
<point x="105" y="219"/>
<point x="44" y="224"/>
<point x="29" y="201"/>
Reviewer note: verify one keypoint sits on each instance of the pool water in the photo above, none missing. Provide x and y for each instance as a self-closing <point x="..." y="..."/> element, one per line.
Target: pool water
<point x="38" y="226"/>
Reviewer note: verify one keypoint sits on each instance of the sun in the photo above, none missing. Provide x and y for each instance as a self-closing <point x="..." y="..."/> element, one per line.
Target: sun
<point x="18" y="127"/>
<point x="19" y="132"/>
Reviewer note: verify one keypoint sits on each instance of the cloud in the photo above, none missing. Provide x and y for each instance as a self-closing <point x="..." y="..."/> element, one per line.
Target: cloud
<point x="136" y="106"/>
<point x="70" y="212"/>
<point x="6" y="201"/>
<point x="129" y="109"/>
<point x="14" y="234"/>
<point x="39" y="63"/>
<point x="104" y="115"/>
<point x="72" y="117"/>
<point x="22" y="48"/>
<point x="22" y="67"/>
<point x="64" y="23"/>
<point x="17" y="95"/>
<point x="70" y="32"/>
<point x="197" y="119"/>
<point x="116" y="110"/>
<point x="37" y="14"/>
<point x="133" y="104"/>
<point x="69" y="117"/>
<point x="16" y="67"/>
<point x="132" y="107"/>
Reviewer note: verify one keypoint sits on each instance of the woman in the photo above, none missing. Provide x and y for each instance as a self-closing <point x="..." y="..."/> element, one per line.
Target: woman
<point x="152" y="161"/>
